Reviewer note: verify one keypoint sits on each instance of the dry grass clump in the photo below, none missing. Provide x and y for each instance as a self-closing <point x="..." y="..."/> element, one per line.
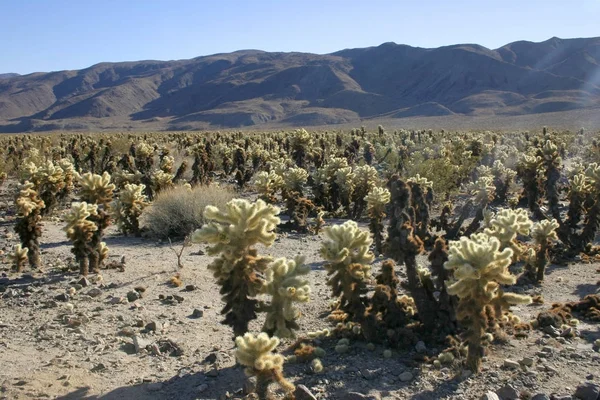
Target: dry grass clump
<point x="177" y="212"/>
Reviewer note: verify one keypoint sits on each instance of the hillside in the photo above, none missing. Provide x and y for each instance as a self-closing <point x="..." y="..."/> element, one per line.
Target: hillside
<point x="252" y="87"/>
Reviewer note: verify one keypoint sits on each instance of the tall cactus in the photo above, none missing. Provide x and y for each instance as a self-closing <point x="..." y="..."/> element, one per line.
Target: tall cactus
<point x="232" y="233"/>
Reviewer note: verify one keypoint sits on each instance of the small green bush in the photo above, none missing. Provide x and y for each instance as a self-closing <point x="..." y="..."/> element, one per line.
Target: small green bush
<point x="177" y="212"/>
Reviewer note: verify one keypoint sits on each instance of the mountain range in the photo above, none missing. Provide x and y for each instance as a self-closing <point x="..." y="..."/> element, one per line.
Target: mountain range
<point x="252" y="87"/>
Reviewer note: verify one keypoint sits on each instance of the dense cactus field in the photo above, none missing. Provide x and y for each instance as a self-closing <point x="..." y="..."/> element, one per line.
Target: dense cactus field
<point x="332" y="265"/>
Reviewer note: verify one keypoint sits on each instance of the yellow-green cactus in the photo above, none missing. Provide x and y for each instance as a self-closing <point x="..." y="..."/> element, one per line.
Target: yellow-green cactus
<point x="348" y="264"/>
<point x="160" y="181"/>
<point x="232" y="233"/>
<point x="422" y="181"/>
<point x="128" y="208"/>
<point x="267" y="184"/>
<point x="19" y="257"/>
<point x="483" y="190"/>
<point x="166" y="164"/>
<point x="506" y="224"/>
<point x="295" y="179"/>
<point x="286" y="283"/>
<point x="376" y="200"/>
<point x="365" y="178"/>
<point x="543" y="233"/>
<point x="80" y="230"/>
<point x="479" y="268"/>
<point x="256" y="354"/>
<point x="96" y="188"/>
<point x="29" y="221"/>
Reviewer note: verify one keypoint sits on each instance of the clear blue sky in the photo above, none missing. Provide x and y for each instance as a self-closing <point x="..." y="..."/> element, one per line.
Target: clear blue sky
<point x="51" y="35"/>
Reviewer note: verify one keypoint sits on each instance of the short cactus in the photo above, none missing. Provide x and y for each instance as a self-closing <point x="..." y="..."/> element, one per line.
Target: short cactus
<point x="19" y="257"/>
<point x="80" y="230"/>
<point x="285" y="282"/>
<point x="348" y="265"/>
<point x="377" y="199"/>
<point x="479" y="267"/>
<point x="543" y="233"/>
<point x="29" y="222"/>
<point x="127" y="209"/>
<point x="256" y="354"/>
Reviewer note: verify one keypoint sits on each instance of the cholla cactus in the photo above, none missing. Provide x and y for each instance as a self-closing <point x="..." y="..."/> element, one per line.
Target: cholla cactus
<point x="348" y="265"/>
<point x="300" y="143"/>
<point x="128" y="208"/>
<point x="479" y="267"/>
<point x="285" y="281"/>
<point x="376" y="201"/>
<point x="295" y="179"/>
<point x="421" y="197"/>
<point x="80" y="230"/>
<point x="50" y="182"/>
<point x="256" y="354"/>
<point x="29" y="222"/>
<point x="344" y="181"/>
<point x="97" y="189"/>
<point x="503" y="178"/>
<point x="19" y="257"/>
<point x="483" y="190"/>
<point x="144" y="157"/>
<point x="267" y="184"/>
<point x="167" y="164"/>
<point x="528" y="170"/>
<point x="365" y="178"/>
<point x="506" y="224"/>
<point x="232" y="233"/>
<point x="543" y="233"/>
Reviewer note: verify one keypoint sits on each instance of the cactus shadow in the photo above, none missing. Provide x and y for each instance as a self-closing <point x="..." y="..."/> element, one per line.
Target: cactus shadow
<point x="181" y="386"/>
<point x="589" y="335"/>
<point x="48" y="278"/>
<point x="316" y="265"/>
<point x="554" y="267"/>
<point x="583" y="289"/>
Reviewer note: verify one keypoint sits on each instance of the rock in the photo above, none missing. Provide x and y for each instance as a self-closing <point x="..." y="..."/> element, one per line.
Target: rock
<point x="94" y="292"/>
<point x="197" y="313"/>
<point x="153" y="326"/>
<point x="139" y="343"/>
<point x="489" y="396"/>
<point x="588" y="391"/>
<point x="508" y="392"/>
<point x="133" y="296"/>
<point x="140" y="289"/>
<point x="84" y="282"/>
<point x="154" y="386"/>
<point x="190" y="288"/>
<point x="117" y="300"/>
<point x="62" y="297"/>
<point x="302" y="393"/>
<point x="420" y="347"/>
<point x="511" y="364"/>
<point x="406" y="376"/>
<point x="541" y="396"/>
<point x="527" y="361"/>
<point x="561" y="397"/>
<point x="127" y="331"/>
<point x="179" y="298"/>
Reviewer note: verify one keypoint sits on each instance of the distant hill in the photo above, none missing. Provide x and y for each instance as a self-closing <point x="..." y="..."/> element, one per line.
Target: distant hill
<point x="252" y="87"/>
<point x="9" y="75"/>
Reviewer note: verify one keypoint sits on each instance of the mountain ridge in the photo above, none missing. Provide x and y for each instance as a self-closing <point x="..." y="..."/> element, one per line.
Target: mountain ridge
<point x="254" y="87"/>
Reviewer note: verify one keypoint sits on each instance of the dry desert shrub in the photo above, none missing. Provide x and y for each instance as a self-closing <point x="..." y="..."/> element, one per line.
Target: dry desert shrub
<point x="177" y="212"/>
